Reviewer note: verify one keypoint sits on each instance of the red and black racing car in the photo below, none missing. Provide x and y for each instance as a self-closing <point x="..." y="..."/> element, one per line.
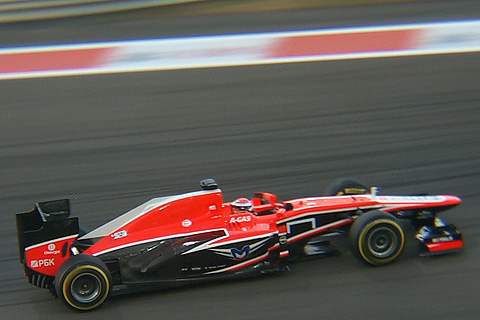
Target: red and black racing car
<point x="195" y="236"/>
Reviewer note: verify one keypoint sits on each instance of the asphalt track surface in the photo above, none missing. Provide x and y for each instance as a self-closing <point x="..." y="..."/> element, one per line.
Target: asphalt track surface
<point x="109" y="142"/>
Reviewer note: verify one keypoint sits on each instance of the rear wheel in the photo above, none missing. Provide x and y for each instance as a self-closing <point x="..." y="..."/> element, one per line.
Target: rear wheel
<point x="377" y="238"/>
<point x="346" y="186"/>
<point x="83" y="282"/>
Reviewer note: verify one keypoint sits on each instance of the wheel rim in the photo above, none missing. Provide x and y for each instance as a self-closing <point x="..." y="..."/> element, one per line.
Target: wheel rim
<point x="382" y="242"/>
<point x="86" y="287"/>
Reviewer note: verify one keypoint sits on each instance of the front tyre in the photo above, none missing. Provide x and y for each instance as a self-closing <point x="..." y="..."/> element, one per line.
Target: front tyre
<point x="83" y="282"/>
<point x="377" y="238"/>
<point x="346" y="186"/>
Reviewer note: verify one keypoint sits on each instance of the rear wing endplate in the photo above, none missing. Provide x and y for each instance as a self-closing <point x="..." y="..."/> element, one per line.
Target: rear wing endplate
<point x="47" y="221"/>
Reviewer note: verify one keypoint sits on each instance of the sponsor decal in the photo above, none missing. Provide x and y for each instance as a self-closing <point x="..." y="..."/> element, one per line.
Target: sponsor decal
<point x="119" y="234"/>
<point x="186" y="223"/>
<point x="442" y="239"/>
<point x="240" y="219"/>
<point x="411" y="198"/>
<point x="51" y="250"/>
<point x="202" y="269"/>
<point x="42" y="263"/>
<point x="240" y="254"/>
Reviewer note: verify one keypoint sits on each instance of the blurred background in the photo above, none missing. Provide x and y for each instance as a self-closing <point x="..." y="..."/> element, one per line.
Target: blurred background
<point x="408" y="124"/>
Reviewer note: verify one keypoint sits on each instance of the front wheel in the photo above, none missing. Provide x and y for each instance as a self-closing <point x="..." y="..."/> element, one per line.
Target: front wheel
<point x="346" y="186"/>
<point x="83" y="282"/>
<point x="377" y="238"/>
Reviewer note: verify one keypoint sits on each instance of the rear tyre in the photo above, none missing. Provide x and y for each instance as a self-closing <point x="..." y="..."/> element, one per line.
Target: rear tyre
<point x="346" y="186"/>
<point x="377" y="238"/>
<point x="83" y="282"/>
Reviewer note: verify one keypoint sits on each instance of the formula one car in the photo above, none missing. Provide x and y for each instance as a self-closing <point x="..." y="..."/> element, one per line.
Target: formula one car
<point x="194" y="237"/>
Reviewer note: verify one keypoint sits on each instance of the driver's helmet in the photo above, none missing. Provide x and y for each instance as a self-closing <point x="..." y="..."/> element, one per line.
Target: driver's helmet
<point x="241" y="205"/>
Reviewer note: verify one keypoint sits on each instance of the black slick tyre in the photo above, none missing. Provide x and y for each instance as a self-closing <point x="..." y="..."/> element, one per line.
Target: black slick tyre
<point x="346" y="186"/>
<point x="83" y="282"/>
<point x="377" y="238"/>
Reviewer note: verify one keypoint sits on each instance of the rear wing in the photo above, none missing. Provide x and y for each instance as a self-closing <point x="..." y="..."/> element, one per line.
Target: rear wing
<point x="49" y="220"/>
